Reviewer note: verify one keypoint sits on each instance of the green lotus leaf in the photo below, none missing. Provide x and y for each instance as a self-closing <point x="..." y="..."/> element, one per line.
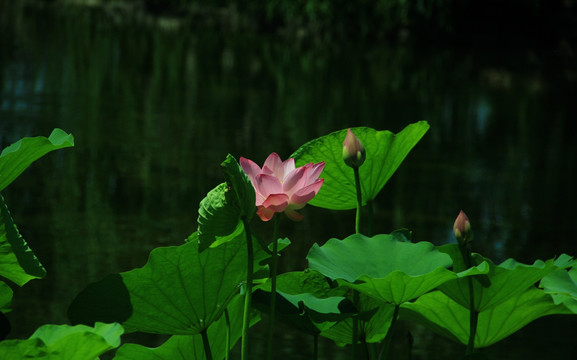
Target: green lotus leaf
<point x="374" y="317"/>
<point x="506" y="280"/>
<point x="5" y="297"/>
<point x="218" y="216"/>
<point x="383" y="267"/>
<point x="180" y="291"/>
<point x="240" y="185"/>
<point x="17" y="261"/>
<point x="305" y="301"/>
<point x="441" y="314"/>
<point x="16" y="158"/>
<point x="385" y="152"/>
<point x="190" y="347"/>
<point x="562" y="285"/>
<point x="64" y="342"/>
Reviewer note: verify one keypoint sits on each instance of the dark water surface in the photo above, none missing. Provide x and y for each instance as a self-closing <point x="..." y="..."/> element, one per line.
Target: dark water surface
<point x="155" y="108"/>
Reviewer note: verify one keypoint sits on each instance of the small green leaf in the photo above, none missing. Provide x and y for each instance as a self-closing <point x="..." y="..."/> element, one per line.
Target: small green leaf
<point x="383" y="267"/>
<point x="305" y="301"/>
<point x="218" y="216"/>
<point x="240" y="185"/>
<point x="562" y="285"/>
<point x="374" y="317"/>
<point x="64" y="342"/>
<point x="385" y="153"/>
<point x="15" y="158"/>
<point x="190" y="347"/>
<point x="17" y="261"/>
<point x="180" y="291"/>
<point x="5" y="297"/>
<point x="438" y="312"/>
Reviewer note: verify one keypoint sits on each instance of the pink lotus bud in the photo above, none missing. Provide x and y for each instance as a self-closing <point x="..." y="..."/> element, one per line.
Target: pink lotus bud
<point x="462" y="228"/>
<point x="353" y="150"/>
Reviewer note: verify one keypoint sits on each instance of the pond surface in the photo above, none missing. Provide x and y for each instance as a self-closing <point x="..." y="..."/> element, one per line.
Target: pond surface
<point x="155" y="107"/>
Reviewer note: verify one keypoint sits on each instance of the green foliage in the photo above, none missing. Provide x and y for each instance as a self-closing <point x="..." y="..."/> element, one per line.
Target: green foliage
<point x="218" y="216"/>
<point x="507" y="280"/>
<point x="189" y="347"/>
<point x="394" y="272"/>
<point x="446" y="317"/>
<point x="562" y="286"/>
<point x="305" y="301"/>
<point x="17" y="261"/>
<point x="64" y="342"/>
<point x="5" y="297"/>
<point x="385" y="153"/>
<point x="374" y="317"/>
<point x="220" y="211"/>
<point x="16" y="158"/>
<point x="180" y="291"/>
<point x="241" y="186"/>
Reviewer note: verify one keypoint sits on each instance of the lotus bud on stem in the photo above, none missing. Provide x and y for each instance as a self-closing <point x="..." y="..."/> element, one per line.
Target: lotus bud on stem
<point x="462" y="228"/>
<point x="353" y="150"/>
<point x="464" y="235"/>
<point x="354" y="156"/>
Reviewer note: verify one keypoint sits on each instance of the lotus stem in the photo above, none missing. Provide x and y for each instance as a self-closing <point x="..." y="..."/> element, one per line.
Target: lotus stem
<point x="359" y="200"/>
<point x="227" y="319"/>
<point x="273" y="270"/>
<point x="473" y="313"/>
<point x="389" y="338"/>
<point x="316" y="347"/>
<point x="206" y="344"/>
<point x="356" y="293"/>
<point x="371" y="218"/>
<point x="248" y="291"/>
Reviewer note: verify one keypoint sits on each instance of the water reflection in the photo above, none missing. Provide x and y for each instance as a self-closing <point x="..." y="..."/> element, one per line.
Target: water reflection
<point x="154" y="112"/>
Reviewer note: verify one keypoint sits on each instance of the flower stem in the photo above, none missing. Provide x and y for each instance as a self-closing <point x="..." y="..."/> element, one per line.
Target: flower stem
<point x="359" y="200"/>
<point x="273" y="270"/>
<point x="206" y="344"/>
<point x="248" y="290"/>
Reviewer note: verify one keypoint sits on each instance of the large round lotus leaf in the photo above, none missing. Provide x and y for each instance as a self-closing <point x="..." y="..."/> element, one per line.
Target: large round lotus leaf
<point x="64" y="342"/>
<point x="385" y="152"/>
<point x="190" y="347"/>
<point x="441" y="314"/>
<point x="180" y="291"/>
<point x="382" y="267"/>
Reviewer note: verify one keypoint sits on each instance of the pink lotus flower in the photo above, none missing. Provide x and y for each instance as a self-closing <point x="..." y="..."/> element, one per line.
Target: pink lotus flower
<point x="280" y="187"/>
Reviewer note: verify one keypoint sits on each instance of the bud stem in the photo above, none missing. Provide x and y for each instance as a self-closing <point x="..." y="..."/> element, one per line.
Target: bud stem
<point x="473" y="313"/>
<point x="359" y="200"/>
<point x="355" y="292"/>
